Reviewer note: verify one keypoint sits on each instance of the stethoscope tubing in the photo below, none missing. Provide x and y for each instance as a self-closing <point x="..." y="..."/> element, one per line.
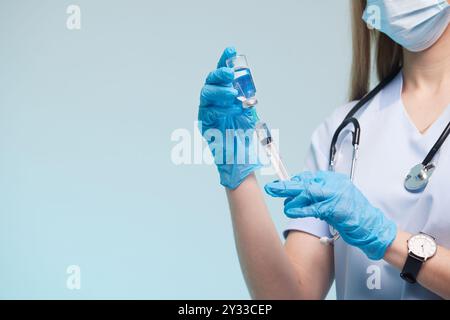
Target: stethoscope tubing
<point x="437" y="146"/>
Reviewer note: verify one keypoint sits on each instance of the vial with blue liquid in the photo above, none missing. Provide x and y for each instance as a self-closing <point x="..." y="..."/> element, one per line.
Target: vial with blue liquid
<point x="243" y="80"/>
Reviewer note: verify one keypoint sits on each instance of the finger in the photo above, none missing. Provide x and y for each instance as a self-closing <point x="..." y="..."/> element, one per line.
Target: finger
<point x="304" y="176"/>
<point x="295" y="212"/>
<point x="314" y="183"/>
<point x="317" y="190"/>
<point x="227" y="54"/>
<point x="290" y="188"/>
<point x="217" y="95"/>
<point x="326" y="185"/>
<point x="302" y="200"/>
<point x="287" y="200"/>
<point x="222" y="76"/>
<point x="284" y="189"/>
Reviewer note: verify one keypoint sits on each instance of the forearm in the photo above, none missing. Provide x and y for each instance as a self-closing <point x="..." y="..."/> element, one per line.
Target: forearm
<point x="268" y="272"/>
<point x="434" y="274"/>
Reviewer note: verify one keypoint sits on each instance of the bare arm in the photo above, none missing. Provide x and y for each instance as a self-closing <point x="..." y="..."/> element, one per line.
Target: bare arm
<point x="435" y="273"/>
<point x="272" y="271"/>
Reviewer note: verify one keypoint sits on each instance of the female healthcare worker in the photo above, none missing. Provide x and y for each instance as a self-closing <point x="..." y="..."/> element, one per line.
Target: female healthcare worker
<point x="376" y="215"/>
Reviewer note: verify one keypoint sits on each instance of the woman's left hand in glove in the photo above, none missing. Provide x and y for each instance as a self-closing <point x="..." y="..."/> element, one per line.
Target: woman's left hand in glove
<point x="333" y="198"/>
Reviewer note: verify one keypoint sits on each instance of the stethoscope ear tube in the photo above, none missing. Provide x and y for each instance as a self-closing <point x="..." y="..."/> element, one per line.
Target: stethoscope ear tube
<point x="350" y="119"/>
<point x="354" y="110"/>
<point x="355" y="139"/>
<point x="356" y="135"/>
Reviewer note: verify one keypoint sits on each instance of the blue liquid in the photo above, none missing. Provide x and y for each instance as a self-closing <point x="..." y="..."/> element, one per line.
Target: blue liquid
<point x="243" y="83"/>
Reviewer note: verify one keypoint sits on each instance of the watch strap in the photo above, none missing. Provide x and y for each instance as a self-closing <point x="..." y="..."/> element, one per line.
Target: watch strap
<point x="411" y="269"/>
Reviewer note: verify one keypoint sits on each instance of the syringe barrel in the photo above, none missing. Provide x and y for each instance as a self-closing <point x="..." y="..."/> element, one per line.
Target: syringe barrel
<point x="277" y="163"/>
<point x="266" y="140"/>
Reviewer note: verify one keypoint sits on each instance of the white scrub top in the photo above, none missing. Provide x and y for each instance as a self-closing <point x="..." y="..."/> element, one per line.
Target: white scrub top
<point x="390" y="146"/>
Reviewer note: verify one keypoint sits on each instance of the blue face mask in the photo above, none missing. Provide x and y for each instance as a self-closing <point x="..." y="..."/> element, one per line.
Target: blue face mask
<point x="414" y="24"/>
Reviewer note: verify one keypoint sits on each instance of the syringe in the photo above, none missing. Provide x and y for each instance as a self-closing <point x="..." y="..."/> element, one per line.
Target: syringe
<point x="265" y="138"/>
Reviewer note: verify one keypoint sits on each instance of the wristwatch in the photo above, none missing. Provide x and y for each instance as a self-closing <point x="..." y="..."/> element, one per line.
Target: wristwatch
<point x="421" y="247"/>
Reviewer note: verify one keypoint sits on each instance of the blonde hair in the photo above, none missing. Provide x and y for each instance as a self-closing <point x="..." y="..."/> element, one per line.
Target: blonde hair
<point x="388" y="54"/>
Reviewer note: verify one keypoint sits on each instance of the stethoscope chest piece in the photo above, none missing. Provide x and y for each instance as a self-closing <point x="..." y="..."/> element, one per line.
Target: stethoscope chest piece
<point x="418" y="177"/>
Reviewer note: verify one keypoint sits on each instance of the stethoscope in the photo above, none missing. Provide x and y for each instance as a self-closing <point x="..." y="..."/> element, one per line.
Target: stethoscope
<point x="418" y="177"/>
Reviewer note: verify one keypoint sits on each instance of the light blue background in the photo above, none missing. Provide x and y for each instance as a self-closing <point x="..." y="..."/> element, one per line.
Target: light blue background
<point x="86" y="117"/>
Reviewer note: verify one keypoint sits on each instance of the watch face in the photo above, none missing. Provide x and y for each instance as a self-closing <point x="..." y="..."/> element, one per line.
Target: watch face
<point x="422" y="246"/>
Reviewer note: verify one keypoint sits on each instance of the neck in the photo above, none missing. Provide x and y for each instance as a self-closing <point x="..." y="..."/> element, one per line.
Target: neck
<point x="429" y="69"/>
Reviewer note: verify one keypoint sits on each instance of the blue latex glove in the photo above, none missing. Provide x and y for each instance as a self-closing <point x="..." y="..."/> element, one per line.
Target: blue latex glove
<point x="333" y="198"/>
<point x="220" y="111"/>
